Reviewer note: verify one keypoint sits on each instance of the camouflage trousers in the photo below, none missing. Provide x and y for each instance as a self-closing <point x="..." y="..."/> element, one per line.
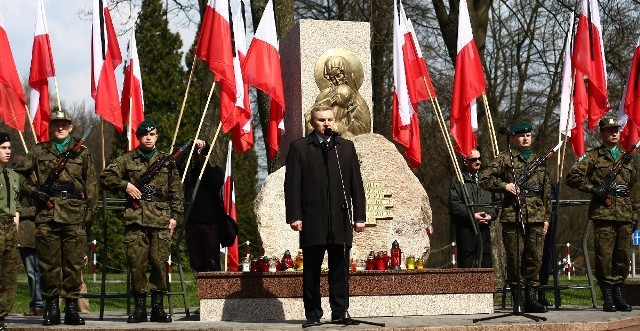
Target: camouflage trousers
<point x="8" y="265"/>
<point x="529" y="249"/>
<point x="61" y="251"/>
<point x="147" y="246"/>
<point x="612" y="246"/>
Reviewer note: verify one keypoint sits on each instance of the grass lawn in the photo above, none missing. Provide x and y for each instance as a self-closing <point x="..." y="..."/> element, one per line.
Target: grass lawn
<point x="116" y="283"/>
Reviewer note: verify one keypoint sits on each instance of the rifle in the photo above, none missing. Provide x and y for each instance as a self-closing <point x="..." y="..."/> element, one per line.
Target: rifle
<point x="54" y="175"/>
<point x="604" y="190"/>
<point x="153" y="170"/>
<point x="531" y="168"/>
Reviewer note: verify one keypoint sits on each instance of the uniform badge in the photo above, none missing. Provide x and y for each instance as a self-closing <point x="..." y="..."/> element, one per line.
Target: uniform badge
<point x="584" y="156"/>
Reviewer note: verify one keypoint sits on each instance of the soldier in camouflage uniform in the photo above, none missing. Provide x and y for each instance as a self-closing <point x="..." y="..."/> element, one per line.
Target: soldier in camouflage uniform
<point x="62" y="216"/>
<point x="535" y="212"/>
<point x="9" y="207"/>
<point x="612" y="224"/>
<point x="148" y="229"/>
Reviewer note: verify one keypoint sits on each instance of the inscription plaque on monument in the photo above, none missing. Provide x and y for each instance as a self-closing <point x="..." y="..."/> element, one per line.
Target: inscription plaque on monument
<point x="379" y="205"/>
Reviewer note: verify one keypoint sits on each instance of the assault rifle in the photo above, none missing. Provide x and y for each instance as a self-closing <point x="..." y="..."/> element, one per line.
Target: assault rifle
<point x="153" y="170"/>
<point x="608" y="185"/>
<point x="531" y="168"/>
<point x="54" y="175"/>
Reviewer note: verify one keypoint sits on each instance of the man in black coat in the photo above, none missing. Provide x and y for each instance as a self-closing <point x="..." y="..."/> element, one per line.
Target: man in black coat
<point x="323" y="194"/>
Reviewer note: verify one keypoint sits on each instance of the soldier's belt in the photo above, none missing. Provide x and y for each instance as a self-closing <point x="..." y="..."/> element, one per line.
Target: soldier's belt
<point x="152" y="198"/>
<point x="67" y="195"/>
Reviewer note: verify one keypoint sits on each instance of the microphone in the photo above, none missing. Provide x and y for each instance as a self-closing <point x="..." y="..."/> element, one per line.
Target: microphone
<point x="330" y="133"/>
<point x="505" y="131"/>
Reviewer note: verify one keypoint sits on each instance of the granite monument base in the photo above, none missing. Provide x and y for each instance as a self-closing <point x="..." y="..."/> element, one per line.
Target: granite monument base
<point x="252" y="297"/>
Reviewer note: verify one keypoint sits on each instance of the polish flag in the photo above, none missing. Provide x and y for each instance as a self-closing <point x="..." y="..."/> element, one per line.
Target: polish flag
<point x="568" y="124"/>
<point x="12" y="100"/>
<point x="132" y="97"/>
<point x="588" y="57"/>
<point x="105" y="57"/>
<point x="262" y="70"/>
<point x="242" y="132"/>
<point x="229" y="200"/>
<point x="418" y="79"/>
<point x="404" y="119"/>
<point x="629" y="112"/>
<point x="468" y="84"/>
<point x="580" y="114"/>
<point x="41" y="69"/>
<point x="214" y="46"/>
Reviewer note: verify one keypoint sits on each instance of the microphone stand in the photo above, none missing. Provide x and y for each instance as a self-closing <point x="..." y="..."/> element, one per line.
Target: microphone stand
<point x="517" y="304"/>
<point x="345" y="319"/>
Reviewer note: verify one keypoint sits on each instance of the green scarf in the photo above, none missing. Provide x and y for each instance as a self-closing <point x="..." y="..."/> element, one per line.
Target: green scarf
<point x="61" y="146"/>
<point x="147" y="154"/>
<point x="525" y="153"/>
<point x="614" y="151"/>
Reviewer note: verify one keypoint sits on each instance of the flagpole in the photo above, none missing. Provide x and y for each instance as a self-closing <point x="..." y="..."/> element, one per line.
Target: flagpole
<point x="206" y="107"/>
<point x="562" y="154"/>
<point x="33" y="129"/>
<point x="184" y="102"/>
<point x="102" y="142"/>
<point x="24" y="144"/>
<point x="492" y="131"/>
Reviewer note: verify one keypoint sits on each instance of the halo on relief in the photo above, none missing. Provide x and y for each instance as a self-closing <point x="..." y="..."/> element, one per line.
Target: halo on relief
<point x="354" y="62"/>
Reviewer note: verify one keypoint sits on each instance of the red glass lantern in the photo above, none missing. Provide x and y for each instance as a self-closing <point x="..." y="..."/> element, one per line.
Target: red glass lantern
<point x="371" y="261"/>
<point x="396" y="255"/>
<point x="287" y="261"/>
<point x="380" y="262"/>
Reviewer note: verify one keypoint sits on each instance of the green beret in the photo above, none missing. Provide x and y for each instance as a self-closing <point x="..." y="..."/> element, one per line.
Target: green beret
<point x="4" y="137"/>
<point x="145" y="127"/>
<point x="521" y="127"/>
<point x="608" y="122"/>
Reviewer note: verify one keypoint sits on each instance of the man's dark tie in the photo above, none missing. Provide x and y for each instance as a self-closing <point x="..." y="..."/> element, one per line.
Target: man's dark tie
<point x="325" y="145"/>
<point x="6" y="182"/>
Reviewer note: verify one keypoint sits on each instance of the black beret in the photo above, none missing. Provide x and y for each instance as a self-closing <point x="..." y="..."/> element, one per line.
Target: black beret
<point x="4" y="137"/>
<point x="145" y="127"/>
<point x="521" y="127"/>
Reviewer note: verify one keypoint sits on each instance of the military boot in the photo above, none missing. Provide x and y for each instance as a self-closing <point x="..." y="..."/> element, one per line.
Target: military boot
<point x="2" y="328"/>
<point x="516" y="298"/>
<point x="140" y="311"/>
<point x="71" y="315"/>
<point x="607" y="295"/>
<point x="542" y="298"/>
<point x="531" y="304"/>
<point x="157" y="308"/>
<point x="618" y="298"/>
<point x="52" y="311"/>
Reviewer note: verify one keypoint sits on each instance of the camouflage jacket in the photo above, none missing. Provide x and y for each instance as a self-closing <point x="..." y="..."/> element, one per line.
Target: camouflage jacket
<point x="168" y="196"/>
<point x="77" y="178"/>
<point x="591" y="169"/>
<point x="535" y="196"/>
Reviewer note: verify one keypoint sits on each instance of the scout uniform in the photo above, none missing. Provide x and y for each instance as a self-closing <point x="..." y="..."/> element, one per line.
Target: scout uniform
<point x="147" y="236"/>
<point x="612" y="224"/>
<point x="62" y="216"/>
<point x="535" y="209"/>
<point x="9" y="205"/>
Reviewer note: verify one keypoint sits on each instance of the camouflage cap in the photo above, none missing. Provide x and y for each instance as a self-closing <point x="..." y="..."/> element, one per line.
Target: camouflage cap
<point x="521" y="127"/>
<point x="608" y="122"/>
<point x="60" y="115"/>
<point x="145" y="127"/>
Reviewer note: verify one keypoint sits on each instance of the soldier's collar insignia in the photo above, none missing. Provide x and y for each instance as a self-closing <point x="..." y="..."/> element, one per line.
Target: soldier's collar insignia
<point x="584" y="156"/>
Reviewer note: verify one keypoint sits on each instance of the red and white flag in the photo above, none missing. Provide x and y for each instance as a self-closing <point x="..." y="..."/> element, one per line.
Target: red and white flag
<point x="588" y="57"/>
<point x="404" y="119"/>
<point x="262" y="70"/>
<point x="12" y="100"/>
<point x="105" y="58"/>
<point x="215" y="47"/>
<point x="242" y="132"/>
<point x="418" y="77"/>
<point x="468" y="84"/>
<point x="568" y="125"/>
<point x="229" y="200"/>
<point x="132" y="96"/>
<point x="41" y="69"/>
<point x="629" y="112"/>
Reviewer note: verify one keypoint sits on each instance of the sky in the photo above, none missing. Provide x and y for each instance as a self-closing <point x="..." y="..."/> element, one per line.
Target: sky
<point x="69" y="28"/>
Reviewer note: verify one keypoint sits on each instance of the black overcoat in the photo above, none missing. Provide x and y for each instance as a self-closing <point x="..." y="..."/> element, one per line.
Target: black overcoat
<point x="314" y="192"/>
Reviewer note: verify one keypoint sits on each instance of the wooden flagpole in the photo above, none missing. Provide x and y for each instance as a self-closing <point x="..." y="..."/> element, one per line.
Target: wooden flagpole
<point x="33" y="129"/>
<point x="492" y="131"/>
<point x="184" y="102"/>
<point x="206" y="107"/>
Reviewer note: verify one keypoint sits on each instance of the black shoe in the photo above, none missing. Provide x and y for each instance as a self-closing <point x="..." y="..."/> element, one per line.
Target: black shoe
<point x="52" y="312"/>
<point x="139" y="314"/>
<point x="338" y="316"/>
<point x="157" y="308"/>
<point x="71" y="315"/>
<point x="607" y="295"/>
<point x="311" y="322"/>
<point x="618" y="298"/>
<point x="2" y="328"/>
<point x="531" y="304"/>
